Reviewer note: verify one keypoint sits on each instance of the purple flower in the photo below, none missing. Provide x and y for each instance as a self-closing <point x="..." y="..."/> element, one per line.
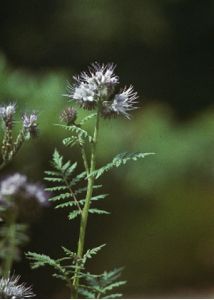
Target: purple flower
<point x="12" y="184"/>
<point x="30" y="123"/>
<point x="10" y="288"/>
<point x="6" y="113"/>
<point x="93" y="86"/>
<point x="37" y="191"/>
<point x="17" y="185"/>
<point x="121" y="104"/>
<point x="98" y="87"/>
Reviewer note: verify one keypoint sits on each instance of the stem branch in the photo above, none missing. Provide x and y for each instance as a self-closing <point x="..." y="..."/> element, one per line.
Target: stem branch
<point x="84" y="215"/>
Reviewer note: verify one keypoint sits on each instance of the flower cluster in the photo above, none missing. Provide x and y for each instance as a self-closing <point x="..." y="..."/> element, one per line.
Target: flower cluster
<point x="98" y="87"/>
<point x="30" y="123"/>
<point x="6" y="113"/>
<point x="17" y="184"/>
<point x="10" y="288"/>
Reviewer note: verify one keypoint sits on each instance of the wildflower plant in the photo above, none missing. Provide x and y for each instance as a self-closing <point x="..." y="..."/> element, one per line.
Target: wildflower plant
<point x="11" y="144"/>
<point x="96" y="90"/>
<point x="15" y="195"/>
<point x="18" y="197"/>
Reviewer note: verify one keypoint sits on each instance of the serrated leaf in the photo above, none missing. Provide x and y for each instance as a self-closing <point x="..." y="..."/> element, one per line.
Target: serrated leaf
<point x="114" y="285"/>
<point x="98" y="211"/>
<point x="91" y="252"/>
<point x="118" y="160"/>
<point x="99" y="197"/>
<point x="70" y="141"/>
<point x="60" y="197"/>
<point x="57" y="159"/>
<point x="72" y="215"/>
<point x="53" y="179"/>
<point x="69" y="252"/>
<point x="56" y="188"/>
<point x="87" y="118"/>
<point x="79" y="131"/>
<point x="113" y="296"/>
<point x="52" y="173"/>
<point x="87" y="294"/>
<point x="66" y="204"/>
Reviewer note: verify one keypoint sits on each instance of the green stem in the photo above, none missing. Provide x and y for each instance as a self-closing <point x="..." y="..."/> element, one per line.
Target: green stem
<point x="84" y="215"/>
<point x="10" y="241"/>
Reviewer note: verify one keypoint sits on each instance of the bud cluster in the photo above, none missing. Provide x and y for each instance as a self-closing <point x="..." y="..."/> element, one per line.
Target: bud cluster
<point x="29" y="129"/>
<point x="99" y="86"/>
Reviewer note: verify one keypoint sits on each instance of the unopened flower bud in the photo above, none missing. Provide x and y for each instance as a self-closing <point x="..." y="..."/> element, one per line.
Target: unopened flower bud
<point x="6" y="113"/>
<point x="68" y="116"/>
<point x="30" y="123"/>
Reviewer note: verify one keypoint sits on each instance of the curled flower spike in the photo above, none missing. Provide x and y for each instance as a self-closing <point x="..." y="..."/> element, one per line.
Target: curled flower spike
<point x="30" y="123"/>
<point x="68" y="116"/>
<point x="124" y="102"/>
<point x="97" y="87"/>
<point x="94" y="86"/>
<point x="6" y="113"/>
<point x="10" y="288"/>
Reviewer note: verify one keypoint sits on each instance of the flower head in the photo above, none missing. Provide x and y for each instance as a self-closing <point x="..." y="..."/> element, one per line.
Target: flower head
<point x="98" y="87"/>
<point x="37" y="191"/>
<point x="6" y="113"/>
<point x="94" y="86"/>
<point x="18" y="185"/>
<point x="12" y="184"/>
<point x="30" y="123"/>
<point x="10" y="288"/>
<point x="68" y="115"/>
<point x="124" y="102"/>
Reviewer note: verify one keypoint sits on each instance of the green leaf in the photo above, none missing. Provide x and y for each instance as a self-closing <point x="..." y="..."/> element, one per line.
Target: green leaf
<point x="72" y="215"/>
<point x="99" y="197"/>
<point x="98" y="211"/>
<point x="70" y="141"/>
<point x="86" y="293"/>
<point x="92" y="252"/>
<point x="57" y="160"/>
<point x="66" y="204"/>
<point x="87" y="118"/>
<point x="52" y="173"/>
<point x="69" y="253"/>
<point x="114" y="285"/>
<point x="120" y="159"/>
<point x="56" y="188"/>
<point x="82" y="134"/>
<point x="113" y="296"/>
<point x="53" y="179"/>
<point x="60" y="197"/>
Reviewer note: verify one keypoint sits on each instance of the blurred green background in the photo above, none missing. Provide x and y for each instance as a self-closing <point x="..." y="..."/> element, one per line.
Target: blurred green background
<point x="162" y="223"/>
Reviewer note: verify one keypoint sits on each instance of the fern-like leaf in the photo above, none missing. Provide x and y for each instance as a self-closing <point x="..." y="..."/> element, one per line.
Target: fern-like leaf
<point x="119" y="160"/>
<point x="87" y="118"/>
<point x="72" y="215"/>
<point x="98" y="211"/>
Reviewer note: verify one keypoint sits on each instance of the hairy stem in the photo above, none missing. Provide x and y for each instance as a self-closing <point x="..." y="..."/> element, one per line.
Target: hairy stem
<point x="84" y="215"/>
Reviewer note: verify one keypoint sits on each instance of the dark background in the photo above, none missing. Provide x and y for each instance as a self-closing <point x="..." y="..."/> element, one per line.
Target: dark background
<point x="162" y="222"/>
